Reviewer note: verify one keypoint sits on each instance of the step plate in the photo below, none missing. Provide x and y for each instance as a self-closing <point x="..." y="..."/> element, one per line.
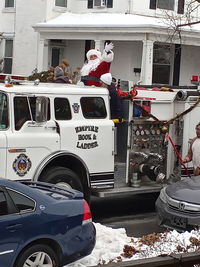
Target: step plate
<point x="143" y="189"/>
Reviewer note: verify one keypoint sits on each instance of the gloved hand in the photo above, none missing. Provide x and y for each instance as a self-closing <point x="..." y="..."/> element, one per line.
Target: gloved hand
<point x="109" y="47"/>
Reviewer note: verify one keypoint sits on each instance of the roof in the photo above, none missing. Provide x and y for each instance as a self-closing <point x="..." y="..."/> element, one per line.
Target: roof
<point x="54" y="89"/>
<point x="108" y="20"/>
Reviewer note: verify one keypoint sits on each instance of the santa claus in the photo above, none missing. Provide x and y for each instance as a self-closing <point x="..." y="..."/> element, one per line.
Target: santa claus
<point x="97" y="65"/>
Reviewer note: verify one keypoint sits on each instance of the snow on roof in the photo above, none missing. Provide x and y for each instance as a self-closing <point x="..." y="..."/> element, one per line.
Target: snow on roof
<point x="110" y="20"/>
<point x="101" y="20"/>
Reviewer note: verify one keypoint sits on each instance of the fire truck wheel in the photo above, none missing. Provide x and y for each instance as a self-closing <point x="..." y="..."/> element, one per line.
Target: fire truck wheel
<point x="63" y="177"/>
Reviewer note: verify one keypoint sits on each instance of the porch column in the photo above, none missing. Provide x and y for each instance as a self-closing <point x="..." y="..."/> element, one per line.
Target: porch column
<point x="42" y="55"/>
<point x="147" y="62"/>
<point x="99" y="45"/>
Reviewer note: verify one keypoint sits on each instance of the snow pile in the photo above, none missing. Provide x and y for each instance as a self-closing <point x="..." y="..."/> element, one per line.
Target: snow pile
<point x="113" y="245"/>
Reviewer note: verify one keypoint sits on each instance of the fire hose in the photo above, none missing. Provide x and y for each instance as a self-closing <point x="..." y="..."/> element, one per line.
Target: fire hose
<point x="177" y="153"/>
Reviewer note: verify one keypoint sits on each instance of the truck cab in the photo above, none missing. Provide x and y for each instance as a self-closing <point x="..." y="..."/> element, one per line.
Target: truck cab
<point x="57" y="133"/>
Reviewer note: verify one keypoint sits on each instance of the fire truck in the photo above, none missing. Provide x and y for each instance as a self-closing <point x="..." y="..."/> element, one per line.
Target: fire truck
<point x="63" y="134"/>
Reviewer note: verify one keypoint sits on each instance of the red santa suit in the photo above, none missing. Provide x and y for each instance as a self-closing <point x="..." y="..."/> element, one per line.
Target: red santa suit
<point x="91" y="71"/>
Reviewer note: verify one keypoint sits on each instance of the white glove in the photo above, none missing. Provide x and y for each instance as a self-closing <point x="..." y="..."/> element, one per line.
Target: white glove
<point x="109" y="47"/>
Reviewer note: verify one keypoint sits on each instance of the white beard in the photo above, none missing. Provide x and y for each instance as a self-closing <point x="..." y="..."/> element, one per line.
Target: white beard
<point x="91" y="65"/>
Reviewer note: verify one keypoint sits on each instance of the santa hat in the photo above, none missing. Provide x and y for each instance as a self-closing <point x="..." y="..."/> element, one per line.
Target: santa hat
<point x="106" y="78"/>
<point x="93" y="52"/>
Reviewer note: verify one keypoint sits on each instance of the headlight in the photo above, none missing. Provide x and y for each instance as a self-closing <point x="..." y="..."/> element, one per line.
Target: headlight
<point x="163" y="195"/>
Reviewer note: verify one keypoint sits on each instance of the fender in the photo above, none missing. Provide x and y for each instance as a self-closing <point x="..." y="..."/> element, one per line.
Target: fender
<point x="54" y="155"/>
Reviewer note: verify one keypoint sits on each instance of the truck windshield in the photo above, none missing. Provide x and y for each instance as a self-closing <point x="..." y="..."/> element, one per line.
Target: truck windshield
<point x="4" y="123"/>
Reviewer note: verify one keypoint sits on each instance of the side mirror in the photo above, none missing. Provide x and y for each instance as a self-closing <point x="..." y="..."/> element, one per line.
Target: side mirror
<point x="41" y="109"/>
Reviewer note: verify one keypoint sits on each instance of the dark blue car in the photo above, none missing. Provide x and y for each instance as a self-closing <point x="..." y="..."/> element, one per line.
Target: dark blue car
<point x="43" y="225"/>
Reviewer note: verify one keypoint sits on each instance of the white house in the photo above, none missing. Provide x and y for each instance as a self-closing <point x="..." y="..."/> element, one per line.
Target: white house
<point x="40" y="33"/>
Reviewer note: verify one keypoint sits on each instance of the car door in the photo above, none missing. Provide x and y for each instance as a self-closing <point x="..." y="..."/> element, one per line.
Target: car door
<point x="29" y="143"/>
<point x="11" y="228"/>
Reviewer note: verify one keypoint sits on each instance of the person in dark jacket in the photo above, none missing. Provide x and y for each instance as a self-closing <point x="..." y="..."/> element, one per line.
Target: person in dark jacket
<point x="60" y="73"/>
<point x="115" y="101"/>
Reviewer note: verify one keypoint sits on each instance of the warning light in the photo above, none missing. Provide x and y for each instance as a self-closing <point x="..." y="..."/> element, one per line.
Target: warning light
<point x="195" y="79"/>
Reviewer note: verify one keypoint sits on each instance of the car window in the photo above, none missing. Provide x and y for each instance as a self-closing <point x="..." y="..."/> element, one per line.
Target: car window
<point x="22" y="111"/>
<point x="23" y="203"/>
<point x="93" y="107"/>
<point x="4" y="114"/>
<point x="62" y="109"/>
<point x="3" y="204"/>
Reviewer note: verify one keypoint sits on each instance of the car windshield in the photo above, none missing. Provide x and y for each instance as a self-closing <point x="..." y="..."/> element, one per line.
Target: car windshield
<point x="4" y="122"/>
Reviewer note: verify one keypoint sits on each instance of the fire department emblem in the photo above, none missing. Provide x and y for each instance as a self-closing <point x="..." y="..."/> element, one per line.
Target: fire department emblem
<point x="76" y="107"/>
<point x="22" y="165"/>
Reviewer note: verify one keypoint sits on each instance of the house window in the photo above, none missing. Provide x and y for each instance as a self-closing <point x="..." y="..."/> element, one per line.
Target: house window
<point x="100" y="3"/>
<point x="161" y="63"/>
<point x="9" y="3"/>
<point x="8" y="58"/>
<point x="181" y="4"/>
<point x="162" y="4"/>
<point x="165" y="4"/>
<point x="62" y="3"/>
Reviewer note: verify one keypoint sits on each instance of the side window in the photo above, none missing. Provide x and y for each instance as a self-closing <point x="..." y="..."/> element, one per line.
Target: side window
<point x="22" y="112"/>
<point x="62" y="109"/>
<point x="93" y="107"/>
<point x="4" y="122"/>
<point x="3" y="204"/>
<point x="22" y="202"/>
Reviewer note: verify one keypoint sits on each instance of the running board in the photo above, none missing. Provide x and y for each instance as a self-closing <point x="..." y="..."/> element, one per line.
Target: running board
<point x="143" y="189"/>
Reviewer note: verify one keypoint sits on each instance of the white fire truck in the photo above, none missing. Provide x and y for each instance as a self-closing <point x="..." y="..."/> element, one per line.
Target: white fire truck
<point x="63" y="134"/>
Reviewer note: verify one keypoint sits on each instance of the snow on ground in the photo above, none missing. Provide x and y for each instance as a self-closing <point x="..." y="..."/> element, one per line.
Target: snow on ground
<point x="113" y="245"/>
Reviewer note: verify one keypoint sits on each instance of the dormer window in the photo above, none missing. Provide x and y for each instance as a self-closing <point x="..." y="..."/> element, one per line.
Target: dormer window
<point x="100" y="3"/>
<point x="62" y="3"/>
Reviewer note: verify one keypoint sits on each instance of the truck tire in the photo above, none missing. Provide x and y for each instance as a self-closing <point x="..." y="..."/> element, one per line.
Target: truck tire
<point x="29" y="256"/>
<point x="63" y="177"/>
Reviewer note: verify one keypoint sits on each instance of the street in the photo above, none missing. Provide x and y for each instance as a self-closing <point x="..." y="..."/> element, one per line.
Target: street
<point x="134" y="213"/>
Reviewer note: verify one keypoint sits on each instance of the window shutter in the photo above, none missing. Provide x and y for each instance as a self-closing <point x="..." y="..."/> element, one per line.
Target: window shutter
<point x="181" y="4"/>
<point x="153" y="4"/>
<point x="109" y="3"/>
<point x="90" y="3"/>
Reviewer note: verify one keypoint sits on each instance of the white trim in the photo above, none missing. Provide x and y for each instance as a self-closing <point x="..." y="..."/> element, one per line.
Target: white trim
<point x="6" y="252"/>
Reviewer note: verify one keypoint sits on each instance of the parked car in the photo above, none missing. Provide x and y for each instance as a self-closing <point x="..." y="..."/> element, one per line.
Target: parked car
<point x="178" y="205"/>
<point x="43" y="225"/>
